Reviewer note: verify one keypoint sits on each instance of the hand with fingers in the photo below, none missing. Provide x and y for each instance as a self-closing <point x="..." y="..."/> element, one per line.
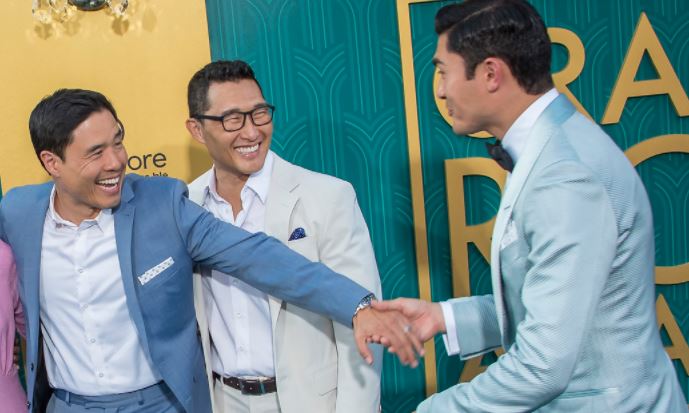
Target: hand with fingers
<point x="425" y="318"/>
<point x="389" y="328"/>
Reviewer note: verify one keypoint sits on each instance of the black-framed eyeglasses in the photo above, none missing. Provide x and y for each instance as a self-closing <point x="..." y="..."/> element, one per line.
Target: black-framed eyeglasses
<point x="234" y="120"/>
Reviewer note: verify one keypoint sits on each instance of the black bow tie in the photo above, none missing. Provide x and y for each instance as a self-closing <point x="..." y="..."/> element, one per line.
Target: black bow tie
<point x="497" y="152"/>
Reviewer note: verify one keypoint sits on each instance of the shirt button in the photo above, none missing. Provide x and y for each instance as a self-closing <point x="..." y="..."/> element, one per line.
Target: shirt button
<point x="93" y="340"/>
<point x="100" y="374"/>
<point x="241" y="349"/>
<point x="80" y="270"/>
<point x="239" y="315"/>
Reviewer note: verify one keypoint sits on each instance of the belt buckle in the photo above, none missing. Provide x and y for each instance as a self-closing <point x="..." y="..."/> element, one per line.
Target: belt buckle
<point x="246" y="388"/>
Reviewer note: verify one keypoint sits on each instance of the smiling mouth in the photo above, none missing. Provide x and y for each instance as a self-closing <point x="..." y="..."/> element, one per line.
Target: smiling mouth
<point x="109" y="183"/>
<point x="246" y="150"/>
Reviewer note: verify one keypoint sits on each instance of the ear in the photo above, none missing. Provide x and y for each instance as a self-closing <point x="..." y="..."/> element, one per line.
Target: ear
<point x="51" y="162"/>
<point x="196" y="130"/>
<point x="493" y="73"/>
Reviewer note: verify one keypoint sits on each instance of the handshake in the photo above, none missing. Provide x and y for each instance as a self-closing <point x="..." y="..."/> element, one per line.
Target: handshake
<point x="402" y="325"/>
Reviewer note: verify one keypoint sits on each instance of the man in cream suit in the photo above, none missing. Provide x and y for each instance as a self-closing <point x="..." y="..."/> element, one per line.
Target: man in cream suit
<point x="572" y="255"/>
<point x="262" y="354"/>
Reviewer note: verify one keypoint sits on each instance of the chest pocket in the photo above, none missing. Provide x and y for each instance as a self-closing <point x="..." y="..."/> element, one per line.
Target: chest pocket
<point x="158" y="273"/>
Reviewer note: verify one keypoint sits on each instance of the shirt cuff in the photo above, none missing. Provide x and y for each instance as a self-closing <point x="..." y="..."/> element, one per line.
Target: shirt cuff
<point x="450" y="337"/>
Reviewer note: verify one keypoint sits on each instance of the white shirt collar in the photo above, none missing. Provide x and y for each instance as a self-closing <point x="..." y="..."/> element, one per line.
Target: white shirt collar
<point x="515" y="139"/>
<point x="101" y="220"/>
<point x="258" y="182"/>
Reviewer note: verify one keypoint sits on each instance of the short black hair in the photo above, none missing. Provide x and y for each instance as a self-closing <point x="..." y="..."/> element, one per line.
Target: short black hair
<point x="55" y="117"/>
<point x="511" y="30"/>
<point x="219" y="71"/>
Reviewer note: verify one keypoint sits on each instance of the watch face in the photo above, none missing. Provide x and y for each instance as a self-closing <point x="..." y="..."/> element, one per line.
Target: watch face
<point x="89" y="5"/>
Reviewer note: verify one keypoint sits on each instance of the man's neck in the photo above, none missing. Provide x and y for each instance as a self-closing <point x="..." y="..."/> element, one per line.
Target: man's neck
<point x="511" y="107"/>
<point x="72" y="212"/>
<point x="229" y="186"/>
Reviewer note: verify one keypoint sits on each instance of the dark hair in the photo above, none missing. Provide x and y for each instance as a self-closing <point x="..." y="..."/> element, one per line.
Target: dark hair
<point x="56" y="116"/>
<point x="511" y="30"/>
<point x="220" y="71"/>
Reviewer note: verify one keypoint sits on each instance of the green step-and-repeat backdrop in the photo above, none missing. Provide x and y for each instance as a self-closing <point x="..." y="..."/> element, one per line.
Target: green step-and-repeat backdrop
<point x="352" y="81"/>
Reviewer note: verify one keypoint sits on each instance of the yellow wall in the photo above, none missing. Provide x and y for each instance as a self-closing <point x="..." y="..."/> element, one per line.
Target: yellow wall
<point x="142" y="64"/>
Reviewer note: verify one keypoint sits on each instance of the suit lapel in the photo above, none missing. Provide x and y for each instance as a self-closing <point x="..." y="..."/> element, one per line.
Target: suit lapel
<point x="279" y="206"/>
<point x="124" y="225"/>
<point x="31" y="272"/>
<point x="553" y="116"/>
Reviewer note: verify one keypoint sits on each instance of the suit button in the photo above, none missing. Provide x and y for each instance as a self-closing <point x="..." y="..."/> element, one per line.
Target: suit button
<point x="31" y="366"/>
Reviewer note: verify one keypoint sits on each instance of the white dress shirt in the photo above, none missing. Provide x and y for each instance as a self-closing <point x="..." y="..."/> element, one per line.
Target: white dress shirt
<point x="238" y="314"/>
<point x="91" y="344"/>
<point x="514" y="143"/>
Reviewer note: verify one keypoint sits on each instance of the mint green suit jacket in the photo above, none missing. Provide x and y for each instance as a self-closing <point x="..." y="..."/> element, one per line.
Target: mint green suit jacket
<point x="573" y="304"/>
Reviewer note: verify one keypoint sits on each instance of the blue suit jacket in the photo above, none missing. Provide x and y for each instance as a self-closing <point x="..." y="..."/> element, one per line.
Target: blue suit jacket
<point x="573" y="302"/>
<point x="153" y="222"/>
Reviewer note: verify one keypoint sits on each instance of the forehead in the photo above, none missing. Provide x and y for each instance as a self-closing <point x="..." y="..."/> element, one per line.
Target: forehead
<point x="444" y="57"/>
<point x="243" y="94"/>
<point x="441" y="50"/>
<point x="99" y="127"/>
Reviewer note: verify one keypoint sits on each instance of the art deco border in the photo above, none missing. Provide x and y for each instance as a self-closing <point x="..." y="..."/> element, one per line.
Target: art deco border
<point x="414" y="147"/>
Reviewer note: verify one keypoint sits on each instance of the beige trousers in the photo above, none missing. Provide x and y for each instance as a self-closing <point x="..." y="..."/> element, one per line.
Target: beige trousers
<point x="229" y="400"/>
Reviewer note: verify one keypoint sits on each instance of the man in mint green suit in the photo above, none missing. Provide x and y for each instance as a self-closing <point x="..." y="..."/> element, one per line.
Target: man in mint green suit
<point x="572" y="255"/>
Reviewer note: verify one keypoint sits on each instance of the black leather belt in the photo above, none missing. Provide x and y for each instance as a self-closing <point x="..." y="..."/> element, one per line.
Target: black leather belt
<point x="249" y="386"/>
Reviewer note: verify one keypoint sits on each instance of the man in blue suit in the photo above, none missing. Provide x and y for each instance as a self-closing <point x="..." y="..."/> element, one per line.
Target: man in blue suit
<point x="105" y="263"/>
<point x="572" y="257"/>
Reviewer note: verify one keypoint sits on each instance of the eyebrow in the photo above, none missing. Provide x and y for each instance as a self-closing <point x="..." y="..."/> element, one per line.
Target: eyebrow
<point x="94" y="148"/>
<point x="236" y="110"/>
<point x="118" y="135"/>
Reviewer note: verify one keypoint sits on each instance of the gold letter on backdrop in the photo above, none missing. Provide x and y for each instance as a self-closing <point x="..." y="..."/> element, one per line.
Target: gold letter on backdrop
<point x="679" y="349"/>
<point x="462" y="234"/>
<point x="645" y="40"/>
<point x="575" y="63"/>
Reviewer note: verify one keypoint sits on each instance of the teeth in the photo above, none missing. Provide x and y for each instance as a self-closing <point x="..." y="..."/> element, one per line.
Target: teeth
<point x="247" y="149"/>
<point x="111" y="181"/>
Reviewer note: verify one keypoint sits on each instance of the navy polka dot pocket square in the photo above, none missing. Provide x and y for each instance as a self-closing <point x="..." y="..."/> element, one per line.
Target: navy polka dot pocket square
<point x="298" y="233"/>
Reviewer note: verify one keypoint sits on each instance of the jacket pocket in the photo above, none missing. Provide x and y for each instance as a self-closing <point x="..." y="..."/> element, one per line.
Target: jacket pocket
<point x="158" y="274"/>
<point x="588" y="393"/>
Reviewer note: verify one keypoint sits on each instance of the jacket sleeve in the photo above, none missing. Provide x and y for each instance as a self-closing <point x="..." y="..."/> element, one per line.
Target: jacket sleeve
<point x="264" y="262"/>
<point x="569" y="225"/>
<point x="476" y="325"/>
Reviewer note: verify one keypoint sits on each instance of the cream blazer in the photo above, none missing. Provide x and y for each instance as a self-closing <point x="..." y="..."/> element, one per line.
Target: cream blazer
<point x="318" y="368"/>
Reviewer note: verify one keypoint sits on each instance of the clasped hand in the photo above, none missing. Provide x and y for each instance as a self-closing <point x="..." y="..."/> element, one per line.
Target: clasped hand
<point x="401" y="325"/>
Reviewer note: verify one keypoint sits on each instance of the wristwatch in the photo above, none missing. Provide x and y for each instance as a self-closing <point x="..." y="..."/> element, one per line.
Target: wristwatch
<point x="364" y="303"/>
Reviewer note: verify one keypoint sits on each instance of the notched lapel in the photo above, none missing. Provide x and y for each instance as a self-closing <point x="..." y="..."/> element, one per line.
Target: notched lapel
<point x="124" y="230"/>
<point x="29" y="269"/>
<point x="550" y="120"/>
<point x="279" y="208"/>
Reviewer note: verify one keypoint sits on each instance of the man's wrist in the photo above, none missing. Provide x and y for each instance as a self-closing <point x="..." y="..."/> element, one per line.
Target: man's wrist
<point x="363" y="304"/>
<point x="439" y="317"/>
